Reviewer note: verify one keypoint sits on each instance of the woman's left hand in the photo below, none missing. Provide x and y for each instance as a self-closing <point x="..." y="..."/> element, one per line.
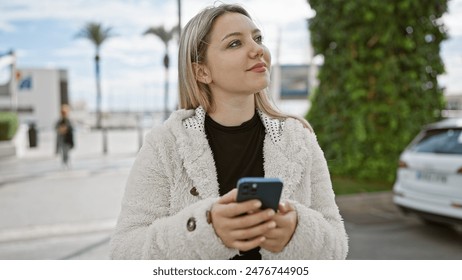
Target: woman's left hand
<point x="286" y="222"/>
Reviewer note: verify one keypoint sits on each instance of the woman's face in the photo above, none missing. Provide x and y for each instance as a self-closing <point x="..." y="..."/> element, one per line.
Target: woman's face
<point x="236" y="60"/>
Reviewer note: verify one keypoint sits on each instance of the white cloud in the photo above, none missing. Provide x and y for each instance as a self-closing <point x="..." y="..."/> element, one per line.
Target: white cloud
<point x="451" y="79"/>
<point x="451" y="51"/>
<point x="130" y="50"/>
<point x="131" y="62"/>
<point x="137" y="14"/>
<point x="452" y="19"/>
<point x="278" y="12"/>
<point x="6" y="27"/>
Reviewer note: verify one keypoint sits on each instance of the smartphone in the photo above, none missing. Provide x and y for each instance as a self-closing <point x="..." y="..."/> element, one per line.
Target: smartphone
<point x="267" y="190"/>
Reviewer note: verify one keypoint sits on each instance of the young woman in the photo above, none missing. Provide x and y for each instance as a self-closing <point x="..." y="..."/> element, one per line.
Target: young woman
<point x="180" y="201"/>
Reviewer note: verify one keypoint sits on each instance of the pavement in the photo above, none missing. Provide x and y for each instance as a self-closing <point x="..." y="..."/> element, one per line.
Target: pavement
<point x="48" y="211"/>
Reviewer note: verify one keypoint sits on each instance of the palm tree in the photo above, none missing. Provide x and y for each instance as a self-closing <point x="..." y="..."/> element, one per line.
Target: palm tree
<point x="165" y="36"/>
<point x="97" y="34"/>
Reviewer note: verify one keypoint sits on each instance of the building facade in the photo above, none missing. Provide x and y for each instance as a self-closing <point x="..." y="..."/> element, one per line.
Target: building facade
<point x="39" y="93"/>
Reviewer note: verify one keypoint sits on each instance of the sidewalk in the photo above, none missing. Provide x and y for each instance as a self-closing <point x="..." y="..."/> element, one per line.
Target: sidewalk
<point x="50" y="212"/>
<point x="87" y="154"/>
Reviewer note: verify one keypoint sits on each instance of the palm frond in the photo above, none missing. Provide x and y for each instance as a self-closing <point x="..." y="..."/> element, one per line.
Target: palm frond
<point x="163" y="34"/>
<point x="96" y="33"/>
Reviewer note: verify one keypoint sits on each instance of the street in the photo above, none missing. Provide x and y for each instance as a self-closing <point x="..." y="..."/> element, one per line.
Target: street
<point x="379" y="231"/>
<point x="50" y="212"/>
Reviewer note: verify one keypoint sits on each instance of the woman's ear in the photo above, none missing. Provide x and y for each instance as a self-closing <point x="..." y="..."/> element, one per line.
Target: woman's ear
<point x="202" y="73"/>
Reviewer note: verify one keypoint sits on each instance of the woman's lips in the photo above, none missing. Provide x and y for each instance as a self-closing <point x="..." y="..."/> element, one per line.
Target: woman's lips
<point x="259" y="67"/>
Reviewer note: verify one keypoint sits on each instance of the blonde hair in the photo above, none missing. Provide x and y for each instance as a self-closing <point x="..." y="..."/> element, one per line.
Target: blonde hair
<point x="193" y="47"/>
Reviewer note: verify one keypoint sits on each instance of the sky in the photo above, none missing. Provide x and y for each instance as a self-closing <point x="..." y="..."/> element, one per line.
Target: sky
<point x="43" y="35"/>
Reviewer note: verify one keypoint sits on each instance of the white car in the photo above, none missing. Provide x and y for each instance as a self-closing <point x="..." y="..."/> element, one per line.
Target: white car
<point x="429" y="177"/>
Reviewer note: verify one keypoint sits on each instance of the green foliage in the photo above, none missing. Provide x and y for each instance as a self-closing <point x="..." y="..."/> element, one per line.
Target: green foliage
<point x="8" y="125"/>
<point x="378" y="84"/>
<point x="344" y="185"/>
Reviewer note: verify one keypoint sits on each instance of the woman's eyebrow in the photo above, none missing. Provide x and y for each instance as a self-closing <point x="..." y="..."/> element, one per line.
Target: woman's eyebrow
<point x="256" y="30"/>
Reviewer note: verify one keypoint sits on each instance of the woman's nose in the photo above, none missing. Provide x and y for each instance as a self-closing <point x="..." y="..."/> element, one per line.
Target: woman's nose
<point x="257" y="50"/>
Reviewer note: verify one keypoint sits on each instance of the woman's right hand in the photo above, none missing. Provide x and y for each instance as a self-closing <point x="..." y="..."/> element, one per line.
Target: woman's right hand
<point x="242" y="232"/>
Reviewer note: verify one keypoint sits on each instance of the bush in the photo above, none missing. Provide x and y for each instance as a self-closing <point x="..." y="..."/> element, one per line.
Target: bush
<point x="378" y="84"/>
<point x="8" y="125"/>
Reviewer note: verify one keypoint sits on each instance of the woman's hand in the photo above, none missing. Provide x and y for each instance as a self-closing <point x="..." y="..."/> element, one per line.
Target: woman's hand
<point x="242" y="232"/>
<point x="286" y="222"/>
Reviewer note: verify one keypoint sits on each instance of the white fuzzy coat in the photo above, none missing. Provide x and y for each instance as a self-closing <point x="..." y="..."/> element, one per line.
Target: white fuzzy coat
<point x="176" y="157"/>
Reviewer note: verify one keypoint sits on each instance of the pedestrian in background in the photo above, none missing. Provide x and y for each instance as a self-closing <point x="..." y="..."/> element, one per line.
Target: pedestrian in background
<point x="180" y="199"/>
<point x="64" y="135"/>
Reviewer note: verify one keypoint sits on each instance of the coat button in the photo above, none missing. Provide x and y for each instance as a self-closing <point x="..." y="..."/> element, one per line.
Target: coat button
<point x="191" y="224"/>
<point x="194" y="191"/>
<point x="208" y="217"/>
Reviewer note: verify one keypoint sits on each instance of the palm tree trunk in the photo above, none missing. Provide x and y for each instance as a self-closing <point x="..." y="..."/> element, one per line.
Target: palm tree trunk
<point x="98" y="93"/>
<point x="99" y="116"/>
<point x="166" y="113"/>
<point x="166" y="65"/>
<point x="179" y="19"/>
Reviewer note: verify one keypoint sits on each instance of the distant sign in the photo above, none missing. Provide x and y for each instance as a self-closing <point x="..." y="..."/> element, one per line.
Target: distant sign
<point x="294" y="81"/>
<point x="25" y="83"/>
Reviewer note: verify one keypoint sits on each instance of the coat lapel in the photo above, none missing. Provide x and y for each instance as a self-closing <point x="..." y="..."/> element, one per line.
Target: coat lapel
<point x="196" y="153"/>
<point x="284" y="152"/>
<point x="287" y="157"/>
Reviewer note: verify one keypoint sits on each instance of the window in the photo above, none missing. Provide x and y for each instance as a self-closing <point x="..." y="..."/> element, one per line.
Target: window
<point x="440" y="141"/>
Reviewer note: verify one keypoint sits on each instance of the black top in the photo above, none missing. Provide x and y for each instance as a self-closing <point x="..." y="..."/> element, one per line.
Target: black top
<point x="238" y="152"/>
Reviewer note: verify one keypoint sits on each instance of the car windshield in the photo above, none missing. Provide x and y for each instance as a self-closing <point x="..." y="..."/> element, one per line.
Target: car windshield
<point x="441" y="141"/>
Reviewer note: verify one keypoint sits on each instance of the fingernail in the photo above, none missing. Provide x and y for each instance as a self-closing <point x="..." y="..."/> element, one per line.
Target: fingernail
<point x="271" y="213"/>
<point x="257" y="204"/>
<point x="272" y="225"/>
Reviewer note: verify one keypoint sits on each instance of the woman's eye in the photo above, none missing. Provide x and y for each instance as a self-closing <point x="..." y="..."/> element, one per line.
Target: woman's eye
<point x="259" y="39"/>
<point x="234" y="44"/>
